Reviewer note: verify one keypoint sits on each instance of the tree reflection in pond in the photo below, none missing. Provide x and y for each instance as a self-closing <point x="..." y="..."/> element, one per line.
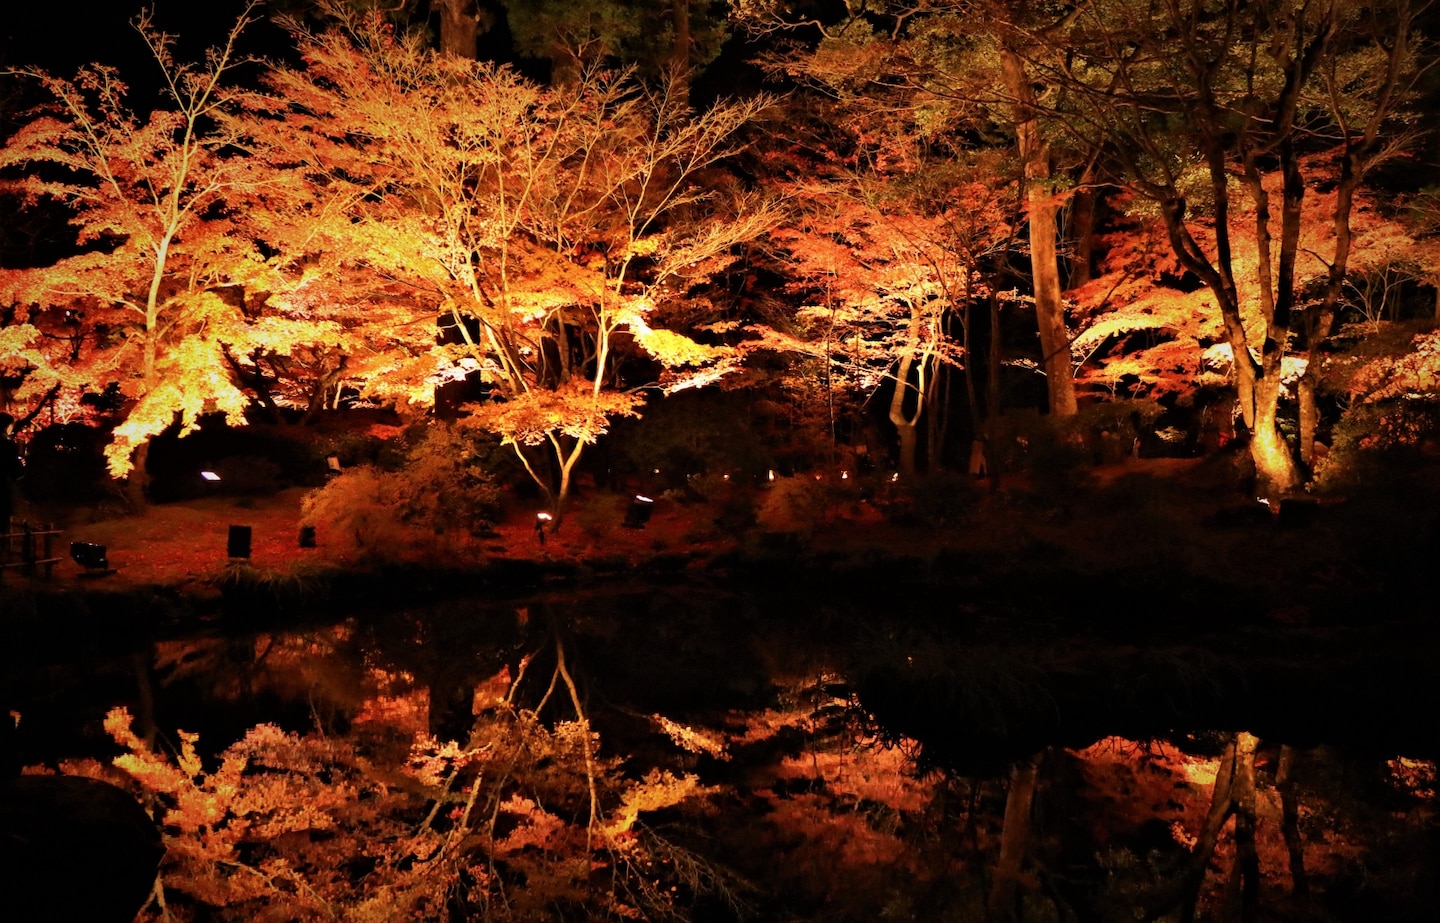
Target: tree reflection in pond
<point x="661" y="756"/>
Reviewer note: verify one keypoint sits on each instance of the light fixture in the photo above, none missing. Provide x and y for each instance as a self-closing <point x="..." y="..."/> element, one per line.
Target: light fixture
<point x="210" y="475"/>
<point x="90" y="556"/>
<point x="237" y="543"/>
<point x="639" y="512"/>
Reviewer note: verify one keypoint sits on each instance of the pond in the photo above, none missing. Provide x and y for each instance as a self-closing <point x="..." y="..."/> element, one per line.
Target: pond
<point x="767" y="751"/>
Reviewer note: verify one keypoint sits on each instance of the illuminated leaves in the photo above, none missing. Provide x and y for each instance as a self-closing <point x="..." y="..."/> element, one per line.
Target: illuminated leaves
<point x="289" y="826"/>
<point x="575" y="410"/>
<point x="537" y="223"/>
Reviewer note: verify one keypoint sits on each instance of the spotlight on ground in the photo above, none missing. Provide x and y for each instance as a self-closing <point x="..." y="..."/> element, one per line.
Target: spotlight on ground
<point x="639" y="512"/>
<point x="90" y="556"/>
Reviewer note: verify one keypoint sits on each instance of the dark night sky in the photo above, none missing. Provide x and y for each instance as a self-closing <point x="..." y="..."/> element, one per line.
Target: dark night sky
<point x="61" y="35"/>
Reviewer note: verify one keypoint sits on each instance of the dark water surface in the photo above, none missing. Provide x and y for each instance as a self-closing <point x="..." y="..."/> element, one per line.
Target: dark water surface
<point x="967" y="680"/>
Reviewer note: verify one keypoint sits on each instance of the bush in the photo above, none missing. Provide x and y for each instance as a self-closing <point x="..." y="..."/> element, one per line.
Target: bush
<point x="1050" y="454"/>
<point x="440" y="491"/>
<point x="941" y="500"/>
<point x="1373" y="441"/>
<point x="797" y="504"/>
<point x="248" y="475"/>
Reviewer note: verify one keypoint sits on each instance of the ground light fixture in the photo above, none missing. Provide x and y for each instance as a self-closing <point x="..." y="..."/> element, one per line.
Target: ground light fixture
<point x="90" y="556"/>
<point x="541" y="519"/>
<point x="638" y="512"/>
<point x="210" y="475"/>
<point x="237" y="542"/>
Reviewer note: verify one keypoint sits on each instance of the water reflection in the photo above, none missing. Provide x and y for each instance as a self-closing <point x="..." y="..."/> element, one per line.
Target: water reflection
<point x="743" y="756"/>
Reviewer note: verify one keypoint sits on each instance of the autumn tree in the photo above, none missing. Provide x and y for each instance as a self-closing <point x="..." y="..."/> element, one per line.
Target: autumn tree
<point x="956" y="68"/>
<point x="1218" y="114"/>
<point x="156" y="200"/>
<point x="652" y="35"/>
<point x="551" y="229"/>
<point x="889" y="249"/>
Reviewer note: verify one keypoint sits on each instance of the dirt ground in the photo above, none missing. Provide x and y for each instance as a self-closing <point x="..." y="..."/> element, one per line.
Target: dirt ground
<point x="1144" y="513"/>
<point x="184" y="544"/>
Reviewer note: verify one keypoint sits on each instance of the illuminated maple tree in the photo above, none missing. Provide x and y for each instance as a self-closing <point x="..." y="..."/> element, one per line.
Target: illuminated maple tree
<point x="549" y="229"/>
<point x="888" y="248"/>
<point x="1210" y="110"/>
<point x="157" y="200"/>
<point x="937" y="71"/>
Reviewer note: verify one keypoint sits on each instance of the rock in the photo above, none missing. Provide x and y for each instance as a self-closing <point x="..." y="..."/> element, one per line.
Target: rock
<point x="74" y="849"/>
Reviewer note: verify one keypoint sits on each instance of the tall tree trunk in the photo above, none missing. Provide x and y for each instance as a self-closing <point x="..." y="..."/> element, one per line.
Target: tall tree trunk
<point x="137" y="482"/>
<point x="908" y="440"/>
<point x="1290" y="822"/>
<point x="1082" y="235"/>
<point x="1014" y="840"/>
<point x="1275" y="468"/>
<point x="1246" y="874"/>
<point x="680" y="24"/>
<point x="1042" y="213"/>
<point x="911" y="361"/>
<point x="459" y="27"/>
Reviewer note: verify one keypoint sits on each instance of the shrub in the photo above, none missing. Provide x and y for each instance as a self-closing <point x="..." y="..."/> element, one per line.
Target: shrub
<point x="1373" y="441"/>
<point x="941" y="500"/>
<point x="797" y="504"/>
<point x="439" y="491"/>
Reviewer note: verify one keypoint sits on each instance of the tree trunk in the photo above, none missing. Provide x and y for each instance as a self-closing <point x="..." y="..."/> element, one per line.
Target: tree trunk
<point x="1082" y="233"/>
<point x="459" y="27"/>
<point x="1044" y="265"/>
<point x="137" y="482"/>
<point x="1309" y="414"/>
<point x="908" y="441"/>
<point x="1275" y="470"/>
<point x="910" y="361"/>
<point x="1290" y="822"/>
<point x="1014" y="840"/>
<point x="680" y="23"/>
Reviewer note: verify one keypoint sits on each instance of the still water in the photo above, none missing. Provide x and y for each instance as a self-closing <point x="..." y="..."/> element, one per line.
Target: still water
<point x="792" y="753"/>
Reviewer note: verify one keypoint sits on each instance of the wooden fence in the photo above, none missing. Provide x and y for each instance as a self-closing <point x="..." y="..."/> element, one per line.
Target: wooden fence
<point x="29" y="549"/>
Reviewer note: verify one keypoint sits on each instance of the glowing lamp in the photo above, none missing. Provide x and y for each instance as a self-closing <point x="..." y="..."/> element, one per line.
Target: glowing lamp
<point x="639" y="512"/>
<point x="210" y="475"/>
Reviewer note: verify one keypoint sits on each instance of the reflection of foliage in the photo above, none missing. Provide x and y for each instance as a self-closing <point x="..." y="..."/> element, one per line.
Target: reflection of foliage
<point x="439" y="490"/>
<point x="310" y="827"/>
